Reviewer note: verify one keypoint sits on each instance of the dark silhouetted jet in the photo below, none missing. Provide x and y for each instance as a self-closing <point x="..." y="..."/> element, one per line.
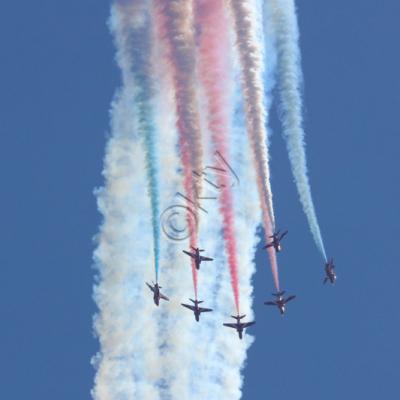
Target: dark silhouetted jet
<point x="157" y="295"/>
<point x="197" y="257"/>
<point x="329" y="271"/>
<point x="239" y="326"/>
<point x="280" y="301"/>
<point x="196" y="309"/>
<point x="276" y="241"/>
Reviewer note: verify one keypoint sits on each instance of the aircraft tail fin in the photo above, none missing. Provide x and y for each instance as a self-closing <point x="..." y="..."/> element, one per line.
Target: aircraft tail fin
<point x="196" y="249"/>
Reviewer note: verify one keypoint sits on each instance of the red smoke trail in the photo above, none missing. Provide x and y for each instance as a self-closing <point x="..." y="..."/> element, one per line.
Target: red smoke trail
<point x="174" y="27"/>
<point x="250" y="59"/>
<point x="211" y="19"/>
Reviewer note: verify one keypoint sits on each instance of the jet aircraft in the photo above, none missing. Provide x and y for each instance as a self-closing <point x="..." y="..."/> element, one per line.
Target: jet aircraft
<point x="196" y="309"/>
<point x="280" y="301"/>
<point x="157" y="295"/>
<point x="329" y="271"/>
<point x="276" y="241"/>
<point x="197" y="257"/>
<point x="239" y="326"/>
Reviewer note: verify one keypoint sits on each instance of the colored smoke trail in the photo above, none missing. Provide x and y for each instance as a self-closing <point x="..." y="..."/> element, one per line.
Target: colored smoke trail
<point x="175" y="25"/>
<point x="212" y="22"/>
<point x="176" y="20"/>
<point x="176" y="338"/>
<point x="141" y="70"/>
<point x="150" y="352"/>
<point x="251" y="68"/>
<point x="284" y="21"/>
<point x="126" y="365"/>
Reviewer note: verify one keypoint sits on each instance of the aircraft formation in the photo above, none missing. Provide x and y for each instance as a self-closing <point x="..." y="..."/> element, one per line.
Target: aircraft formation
<point x="279" y="300"/>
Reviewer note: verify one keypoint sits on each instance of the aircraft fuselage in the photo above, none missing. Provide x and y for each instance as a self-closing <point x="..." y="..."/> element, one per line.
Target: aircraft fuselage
<point x="156" y="296"/>
<point x="330" y="273"/>
<point x="281" y="305"/>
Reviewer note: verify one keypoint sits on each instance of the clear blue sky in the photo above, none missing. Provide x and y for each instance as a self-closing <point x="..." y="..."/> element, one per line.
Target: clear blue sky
<point x="57" y="79"/>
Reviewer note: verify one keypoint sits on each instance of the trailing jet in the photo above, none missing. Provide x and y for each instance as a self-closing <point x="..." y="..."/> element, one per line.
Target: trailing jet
<point x="276" y="241"/>
<point x="330" y="273"/>
<point x="197" y="257"/>
<point x="280" y="301"/>
<point x="196" y="309"/>
<point x="239" y="326"/>
<point x="157" y="294"/>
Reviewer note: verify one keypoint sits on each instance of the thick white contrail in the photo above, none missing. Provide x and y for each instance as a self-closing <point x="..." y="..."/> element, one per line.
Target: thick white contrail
<point x="205" y="360"/>
<point x="193" y="366"/>
<point x="127" y="364"/>
<point x="217" y="354"/>
<point x="162" y="353"/>
<point x="178" y="335"/>
<point x="284" y="20"/>
<point x="122" y="263"/>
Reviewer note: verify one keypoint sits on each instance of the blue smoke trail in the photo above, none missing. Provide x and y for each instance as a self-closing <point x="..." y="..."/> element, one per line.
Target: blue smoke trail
<point x="140" y="45"/>
<point x="284" y="21"/>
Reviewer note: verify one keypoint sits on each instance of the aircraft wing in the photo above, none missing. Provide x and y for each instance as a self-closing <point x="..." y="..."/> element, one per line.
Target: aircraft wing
<point x="202" y="258"/>
<point x="270" y="303"/>
<point x="290" y="298"/>
<point x="164" y="297"/>
<point x="201" y="309"/>
<point x="188" y="306"/>
<point x="283" y="234"/>
<point x="268" y="245"/>
<point x="150" y="287"/>
<point x="234" y="326"/>
<point x="189" y="253"/>
<point x="247" y="324"/>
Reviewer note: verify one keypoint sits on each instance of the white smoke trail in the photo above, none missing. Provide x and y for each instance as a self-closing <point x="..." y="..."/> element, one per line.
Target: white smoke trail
<point x="204" y="360"/>
<point x="227" y="352"/>
<point x="122" y="263"/>
<point x="243" y="12"/>
<point x="163" y="353"/>
<point x="266" y="36"/>
<point x="219" y="375"/>
<point x="217" y="355"/>
<point x="127" y="365"/>
<point x="283" y="19"/>
<point x="178" y="337"/>
<point x="186" y="356"/>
